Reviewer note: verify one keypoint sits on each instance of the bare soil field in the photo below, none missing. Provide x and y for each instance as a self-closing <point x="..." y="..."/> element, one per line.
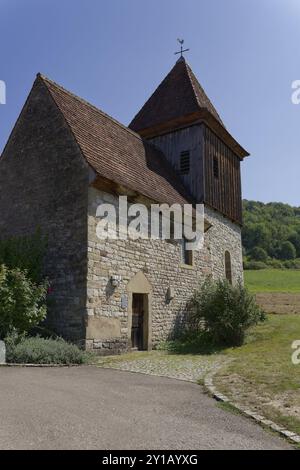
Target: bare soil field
<point x="277" y="302"/>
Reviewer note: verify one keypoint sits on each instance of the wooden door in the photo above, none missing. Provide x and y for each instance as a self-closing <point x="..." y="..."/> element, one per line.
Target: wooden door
<point x="137" y="329"/>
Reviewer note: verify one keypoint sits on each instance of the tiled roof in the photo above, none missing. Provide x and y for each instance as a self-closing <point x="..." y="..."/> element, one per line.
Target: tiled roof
<point x="116" y="152"/>
<point x="179" y="94"/>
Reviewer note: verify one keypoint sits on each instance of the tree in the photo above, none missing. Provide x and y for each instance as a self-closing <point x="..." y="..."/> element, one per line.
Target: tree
<point x="270" y="226"/>
<point x="22" y="303"/>
<point x="294" y="238"/>
<point x="256" y="234"/>
<point x="288" y="251"/>
<point x="259" y="254"/>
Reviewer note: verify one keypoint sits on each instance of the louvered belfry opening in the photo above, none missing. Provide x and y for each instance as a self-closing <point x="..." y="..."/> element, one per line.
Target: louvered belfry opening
<point x="185" y="162"/>
<point x="216" y="167"/>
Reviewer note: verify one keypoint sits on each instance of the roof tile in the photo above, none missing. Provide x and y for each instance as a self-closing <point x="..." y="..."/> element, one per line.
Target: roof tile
<point x="179" y="94"/>
<point x="116" y="152"/>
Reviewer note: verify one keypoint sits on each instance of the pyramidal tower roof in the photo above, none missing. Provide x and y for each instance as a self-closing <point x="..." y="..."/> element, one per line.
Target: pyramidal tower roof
<point x="178" y="95"/>
<point x="178" y="101"/>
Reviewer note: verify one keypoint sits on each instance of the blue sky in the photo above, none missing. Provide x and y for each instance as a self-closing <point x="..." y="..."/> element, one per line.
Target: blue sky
<point x="115" y="52"/>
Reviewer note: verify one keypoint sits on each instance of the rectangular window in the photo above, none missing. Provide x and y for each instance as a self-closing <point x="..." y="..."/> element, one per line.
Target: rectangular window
<point x="216" y="167"/>
<point x="187" y="255"/>
<point x="228" y="272"/>
<point x="185" y="163"/>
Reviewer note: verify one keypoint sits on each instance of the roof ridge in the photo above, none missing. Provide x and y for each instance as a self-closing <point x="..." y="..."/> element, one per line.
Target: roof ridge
<point x="193" y="77"/>
<point x="148" y="100"/>
<point x="189" y="70"/>
<point x="73" y="95"/>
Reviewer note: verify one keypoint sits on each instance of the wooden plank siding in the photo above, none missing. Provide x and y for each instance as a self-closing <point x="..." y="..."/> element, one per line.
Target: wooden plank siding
<point x="187" y="139"/>
<point x="222" y="193"/>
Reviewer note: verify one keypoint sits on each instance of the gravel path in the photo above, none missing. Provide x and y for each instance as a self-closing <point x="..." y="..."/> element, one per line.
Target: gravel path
<point x="191" y="368"/>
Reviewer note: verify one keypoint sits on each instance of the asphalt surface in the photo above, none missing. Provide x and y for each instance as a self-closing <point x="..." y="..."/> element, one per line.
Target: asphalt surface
<point x="92" y="408"/>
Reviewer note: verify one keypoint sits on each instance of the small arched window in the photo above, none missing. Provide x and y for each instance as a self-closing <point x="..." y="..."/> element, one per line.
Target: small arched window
<point x="228" y="271"/>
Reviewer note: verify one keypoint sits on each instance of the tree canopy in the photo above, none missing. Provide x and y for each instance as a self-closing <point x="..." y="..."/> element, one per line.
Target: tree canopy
<point x="271" y="231"/>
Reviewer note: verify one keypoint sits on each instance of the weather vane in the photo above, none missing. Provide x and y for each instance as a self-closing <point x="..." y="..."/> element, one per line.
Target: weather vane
<point x="181" y="42"/>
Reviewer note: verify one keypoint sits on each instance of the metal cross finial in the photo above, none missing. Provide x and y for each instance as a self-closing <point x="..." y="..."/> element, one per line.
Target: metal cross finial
<point x="181" y="42"/>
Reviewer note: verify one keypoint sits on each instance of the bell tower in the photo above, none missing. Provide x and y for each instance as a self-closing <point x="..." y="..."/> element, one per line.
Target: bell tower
<point x="180" y="119"/>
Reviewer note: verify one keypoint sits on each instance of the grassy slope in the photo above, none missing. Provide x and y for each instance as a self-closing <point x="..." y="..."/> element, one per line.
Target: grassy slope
<point x="262" y="374"/>
<point x="273" y="280"/>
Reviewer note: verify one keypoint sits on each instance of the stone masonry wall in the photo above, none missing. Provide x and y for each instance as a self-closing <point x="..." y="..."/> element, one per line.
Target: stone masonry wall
<point x="160" y="262"/>
<point x="44" y="183"/>
<point x="224" y="235"/>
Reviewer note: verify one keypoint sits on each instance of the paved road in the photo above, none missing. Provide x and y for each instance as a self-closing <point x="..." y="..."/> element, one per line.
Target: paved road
<point x="92" y="408"/>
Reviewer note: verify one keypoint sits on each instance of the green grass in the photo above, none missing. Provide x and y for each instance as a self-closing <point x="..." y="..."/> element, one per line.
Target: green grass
<point x="273" y="280"/>
<point x="262" y="374"/>
<point x="229" y="408"/>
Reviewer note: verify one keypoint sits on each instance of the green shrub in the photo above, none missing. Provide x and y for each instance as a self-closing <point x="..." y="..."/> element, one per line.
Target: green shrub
<point x="225" y="312"/>
<point x="292" y="264"/>
<point x="24" y="253"/>
<point x="22" y="303"/>
<point x="191" y="342"/>
<point x="259" y="254"/>
<point x="255" y="265"/>
<point x="37" y="350"/>
<point x="288" y="251"/>
<point x="275" y="263"/>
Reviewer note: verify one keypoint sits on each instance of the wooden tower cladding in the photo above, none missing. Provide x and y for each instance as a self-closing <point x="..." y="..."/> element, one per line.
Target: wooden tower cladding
<point x="180" y="119"/>
<point x="222" y="177"/>
<point x="212" y="174"/>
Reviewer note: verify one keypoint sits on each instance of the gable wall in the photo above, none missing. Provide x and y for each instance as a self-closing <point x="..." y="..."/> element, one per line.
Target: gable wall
<point x="108" y="325"/>
<point x="43" y="183"/>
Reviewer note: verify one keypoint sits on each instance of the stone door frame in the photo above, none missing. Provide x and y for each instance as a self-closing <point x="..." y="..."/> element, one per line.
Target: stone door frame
<point x="139" y="284"/>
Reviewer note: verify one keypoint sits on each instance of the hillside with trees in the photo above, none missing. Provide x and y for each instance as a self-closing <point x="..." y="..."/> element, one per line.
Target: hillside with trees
<point x="271" y="235"/>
